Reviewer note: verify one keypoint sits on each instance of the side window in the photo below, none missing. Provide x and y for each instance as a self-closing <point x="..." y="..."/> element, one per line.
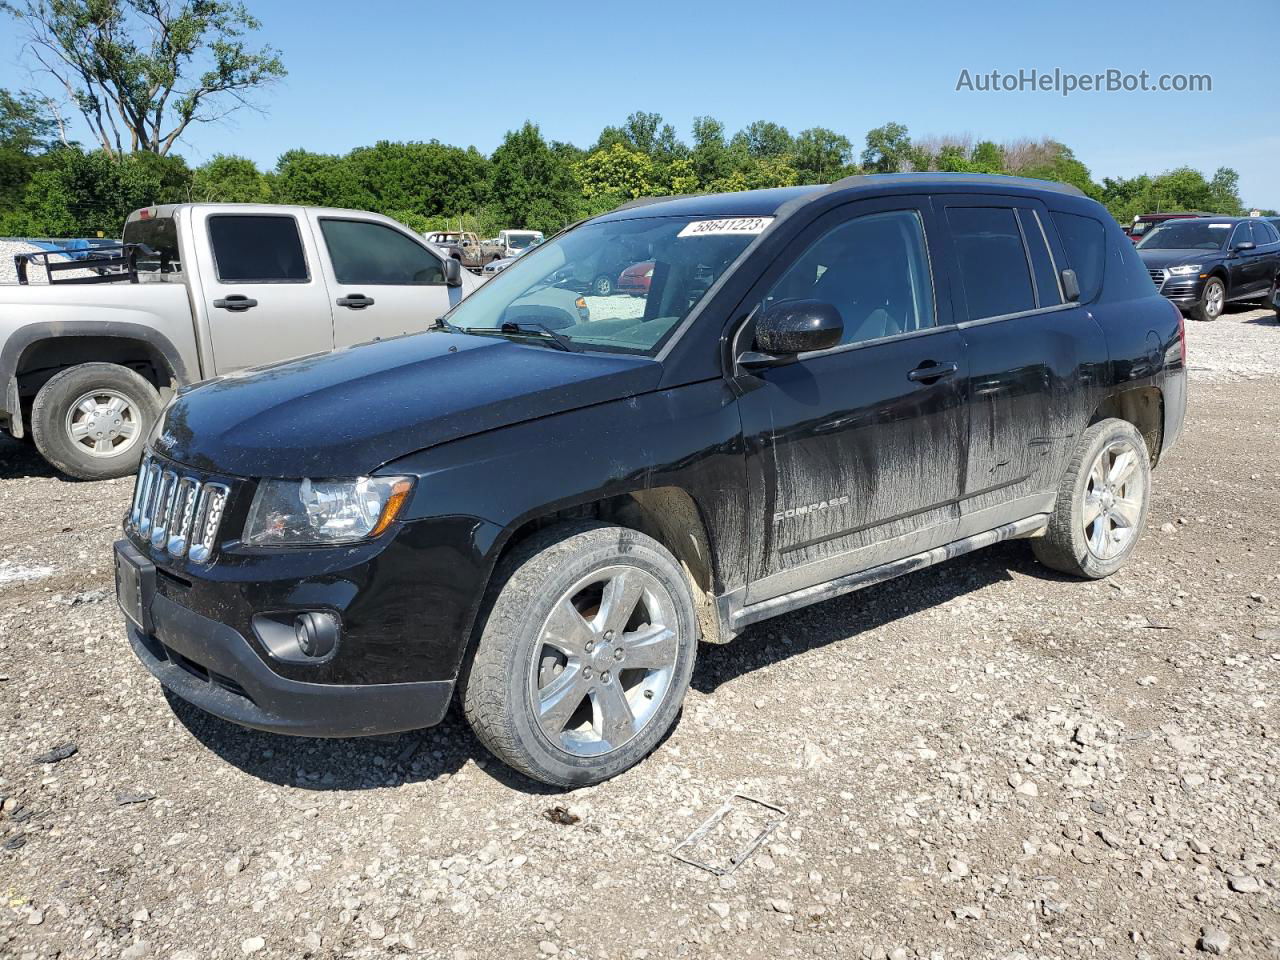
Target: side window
<point x="1085" y="240"/>
<point x="1241" y="234"/>
<point x="993" y="261"/>
<point x="372" y="254"/>
<point x="1262" y="232"/>
<point x="257" y="249"/>
<point x="1048" y="293"/>
<point x="873" y="269"/>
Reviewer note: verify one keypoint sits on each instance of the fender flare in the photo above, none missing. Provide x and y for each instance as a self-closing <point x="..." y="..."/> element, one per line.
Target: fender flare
<point x="33" y="333"/>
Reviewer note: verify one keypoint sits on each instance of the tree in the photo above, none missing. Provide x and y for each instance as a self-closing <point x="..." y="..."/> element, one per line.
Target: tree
<point x="821" y="155"/>
<point x="532" y="186"/>
<point x="888" y="149"/>
<point x="710" y="155"/>
<point x="24" y="134"/>
<point x="319" y="179"/>
<point x="141" y="71"/>
<point x="617" y="173"/>
<point x="230" y="179"/>
<point x="764" y="138"/>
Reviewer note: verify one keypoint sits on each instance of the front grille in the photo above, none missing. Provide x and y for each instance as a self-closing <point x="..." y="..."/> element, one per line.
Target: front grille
<point x="178" y="513"/>
<point x="1157" y="276"/>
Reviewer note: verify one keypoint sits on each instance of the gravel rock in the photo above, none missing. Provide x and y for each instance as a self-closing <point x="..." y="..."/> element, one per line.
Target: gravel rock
<point x="1213" y="940"/>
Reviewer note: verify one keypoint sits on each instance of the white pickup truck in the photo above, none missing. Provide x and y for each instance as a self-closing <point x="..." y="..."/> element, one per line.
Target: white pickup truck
<point x="197" y="291"/>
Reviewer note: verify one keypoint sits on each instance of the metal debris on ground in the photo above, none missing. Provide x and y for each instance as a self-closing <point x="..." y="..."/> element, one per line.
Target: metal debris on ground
<point x="733" y="809"/>
<point x="560" y="815"/>
<point x="57" y="754"/>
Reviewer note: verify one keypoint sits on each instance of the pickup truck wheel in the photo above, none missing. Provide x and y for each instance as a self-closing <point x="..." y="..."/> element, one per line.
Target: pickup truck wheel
<point x="1213" y="300"/>
<point x="1102" y="503"/>
<point x="91" y="421"/>
<point x="585" y="655"/>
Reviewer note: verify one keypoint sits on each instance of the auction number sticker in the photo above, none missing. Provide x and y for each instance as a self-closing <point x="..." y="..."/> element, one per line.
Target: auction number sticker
<point x="723" y="228"/>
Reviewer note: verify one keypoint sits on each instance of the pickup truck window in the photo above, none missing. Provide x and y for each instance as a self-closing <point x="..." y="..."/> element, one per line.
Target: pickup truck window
<point x="873" y="269"/>
<point x="161" y="235"/>
<point x="1086" y="244"/>
<point x="371" y="254"/>
<point x="993" y="261"/>
<point x="257" y="249"/>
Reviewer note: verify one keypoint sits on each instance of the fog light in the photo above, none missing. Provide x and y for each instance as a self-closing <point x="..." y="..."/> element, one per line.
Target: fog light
<point x="316" y="633"/>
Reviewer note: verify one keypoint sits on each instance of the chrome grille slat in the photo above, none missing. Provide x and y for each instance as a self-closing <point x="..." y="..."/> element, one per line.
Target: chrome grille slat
<point x="177" y="512"/>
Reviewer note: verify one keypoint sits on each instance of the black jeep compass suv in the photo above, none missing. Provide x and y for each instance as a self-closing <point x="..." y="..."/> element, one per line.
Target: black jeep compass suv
<point x="545" y="504"/>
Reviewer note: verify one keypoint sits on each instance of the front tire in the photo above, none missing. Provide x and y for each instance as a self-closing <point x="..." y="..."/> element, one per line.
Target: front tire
<point x="1102" y="503"/>
<point x="1213" y="300"/>
<point x="585" y="656"/>
<point x="92" y="421"/>
<point x="602" y="286"/>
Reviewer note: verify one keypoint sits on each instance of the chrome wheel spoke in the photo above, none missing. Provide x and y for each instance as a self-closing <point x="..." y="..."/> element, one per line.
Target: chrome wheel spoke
<point x="1100" y="539"/>
<point x="1092" y="508"/>
<point x="1127" y="513"/>
<point x="650" y="648"/>
<point x="621" y="594"/>
<point x="559" y="700"/>
<point x="79" y="430"/>
<point x="1122" y="469"/>
<point x="103" y="445"/>
<point x="613" y="720"/>
<point x="127" y="428"/>
<point x="87" y="406"/>
<point x="117" y="405"/>
<point x="566" y="630"/>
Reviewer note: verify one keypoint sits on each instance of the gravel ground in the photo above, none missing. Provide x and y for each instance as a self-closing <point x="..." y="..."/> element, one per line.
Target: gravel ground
<point x="983" y="759"/>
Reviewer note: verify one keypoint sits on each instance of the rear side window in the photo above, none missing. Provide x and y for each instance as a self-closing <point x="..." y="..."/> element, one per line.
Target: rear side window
<point x="1085" y="240"/>
<point x="1263" y="232"/>
<point x="993" y="261"/>
<point x="371" y="254"/>
<point x="257" y="249"/>
<point x="160" y="236"/>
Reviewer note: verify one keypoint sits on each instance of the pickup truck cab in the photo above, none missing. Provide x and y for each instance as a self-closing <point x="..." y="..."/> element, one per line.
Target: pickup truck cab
<point x="513" y="243"/>
<point x="542" y="508"/>
<point x="198" y="291"/>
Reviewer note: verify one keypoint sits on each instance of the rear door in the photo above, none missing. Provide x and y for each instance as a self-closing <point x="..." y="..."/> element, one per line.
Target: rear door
<point x="1244" y="266"/>
<point x="856" y="453"/>
<point x="260" y="287"/>
<point x="383" y="280"/>
<point x="1032" y="357"/>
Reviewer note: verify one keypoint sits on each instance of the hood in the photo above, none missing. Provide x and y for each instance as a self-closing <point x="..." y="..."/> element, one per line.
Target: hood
<point x="346" y="413"/>
<point x="1163" y="259"/>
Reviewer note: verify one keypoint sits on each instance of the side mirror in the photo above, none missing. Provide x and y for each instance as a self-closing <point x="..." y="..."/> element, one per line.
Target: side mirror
<point x="790" y="327"/>
<point x="1070" y="286"/>
<point x="1244" y="246"/>
<point x="452" y="273"/>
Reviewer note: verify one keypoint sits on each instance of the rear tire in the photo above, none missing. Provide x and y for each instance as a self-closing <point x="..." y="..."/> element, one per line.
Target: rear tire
<point x="92" y="421"/>
<point x="1102" y="503"/>
<point x="602" y="286"/>
<point x="585" y="655"/>
<point x="1213" y="300"/>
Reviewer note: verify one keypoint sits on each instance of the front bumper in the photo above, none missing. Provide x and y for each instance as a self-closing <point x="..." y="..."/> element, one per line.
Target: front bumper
<point x="212" y="666"/>
<point x="1185" y="291"/>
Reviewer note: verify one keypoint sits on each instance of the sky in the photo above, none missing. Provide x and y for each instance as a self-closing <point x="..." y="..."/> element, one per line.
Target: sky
<point x="465" y="73"/>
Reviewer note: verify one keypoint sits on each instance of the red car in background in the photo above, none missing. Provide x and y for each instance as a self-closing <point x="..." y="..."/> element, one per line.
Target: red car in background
<point x="636" y="278"/>
<point x="1143" y="223"/>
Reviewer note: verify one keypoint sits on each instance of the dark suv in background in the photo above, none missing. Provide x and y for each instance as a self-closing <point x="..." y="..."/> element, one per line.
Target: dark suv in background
<point x="543" y="511"/>
<point x="1204" y="263"/>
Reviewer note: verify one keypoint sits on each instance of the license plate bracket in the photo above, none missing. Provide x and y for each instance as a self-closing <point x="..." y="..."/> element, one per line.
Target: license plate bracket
<point x="135" y="585"/>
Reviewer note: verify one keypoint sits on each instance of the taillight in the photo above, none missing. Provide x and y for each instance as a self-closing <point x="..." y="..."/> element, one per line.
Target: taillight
<point x="1182" y="336"/>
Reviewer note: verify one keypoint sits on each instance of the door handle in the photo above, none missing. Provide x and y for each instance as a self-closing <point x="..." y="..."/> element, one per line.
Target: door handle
<point x="931" y="371"/>
<point x="236" y="303"/>
<point x="357" y="301"/>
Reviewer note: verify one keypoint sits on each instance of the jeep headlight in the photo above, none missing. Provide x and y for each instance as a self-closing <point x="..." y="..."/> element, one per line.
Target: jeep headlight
<point x="1185" y="269"/>
<point x="287" y="513"/>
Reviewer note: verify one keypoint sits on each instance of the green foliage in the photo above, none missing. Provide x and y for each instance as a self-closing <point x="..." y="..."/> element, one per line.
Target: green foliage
<point x="617" y="171"/>
<point x="1173" y="191"/>
<point x="230" y="179"/>
<point x="888" y="149"/>
<point x="141" y="71"/>
<point x="531" y="186"/>
<point x="821" y="155"/>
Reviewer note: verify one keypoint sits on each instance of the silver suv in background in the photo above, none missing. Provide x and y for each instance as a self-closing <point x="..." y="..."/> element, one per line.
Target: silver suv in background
<point x="197" y="291"/>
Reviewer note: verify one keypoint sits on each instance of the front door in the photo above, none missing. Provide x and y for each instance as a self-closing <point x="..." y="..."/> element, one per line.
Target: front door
<point x="383" y="281"/>
<point x="261" y="289"/>
<point x="856" y="453"/>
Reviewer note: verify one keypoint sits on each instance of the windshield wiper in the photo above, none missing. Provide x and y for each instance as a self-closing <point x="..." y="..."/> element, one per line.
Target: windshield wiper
<point x="442" y="324"/>
<point x="532" y="328"/>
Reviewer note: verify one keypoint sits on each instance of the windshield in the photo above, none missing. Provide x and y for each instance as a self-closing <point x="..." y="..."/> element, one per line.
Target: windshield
<point x="518" y="241"/>
<point x="1187" y="235"/>
<point x="573" y="284"/>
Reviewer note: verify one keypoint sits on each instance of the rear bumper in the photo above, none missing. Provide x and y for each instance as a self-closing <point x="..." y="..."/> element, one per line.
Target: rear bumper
<point x="213" y="667"/>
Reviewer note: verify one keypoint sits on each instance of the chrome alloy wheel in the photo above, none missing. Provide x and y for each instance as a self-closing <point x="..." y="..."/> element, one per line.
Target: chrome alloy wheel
<point x="103" y="423"/>
<point x="604" y="660"/>
<point x="1215" y="298"/>
<point x="1114" y="495"/>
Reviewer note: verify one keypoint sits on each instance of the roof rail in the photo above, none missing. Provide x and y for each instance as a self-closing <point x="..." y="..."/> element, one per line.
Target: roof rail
<point x="955" y="179"/>
<point x="645" y="201"/>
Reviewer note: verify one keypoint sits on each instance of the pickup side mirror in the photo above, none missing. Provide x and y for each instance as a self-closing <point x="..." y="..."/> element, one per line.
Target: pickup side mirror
<point x="452" y="272"/>
<point x="791" y="327"/>
<point x="1070" y="286"/>
<point x="1244" y="246"/>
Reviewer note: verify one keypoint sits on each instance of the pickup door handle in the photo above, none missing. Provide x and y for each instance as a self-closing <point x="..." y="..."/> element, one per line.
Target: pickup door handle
<point x="357" y="301"/>
<point x="236" y="303"/>
<point x="931" y="371"/>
